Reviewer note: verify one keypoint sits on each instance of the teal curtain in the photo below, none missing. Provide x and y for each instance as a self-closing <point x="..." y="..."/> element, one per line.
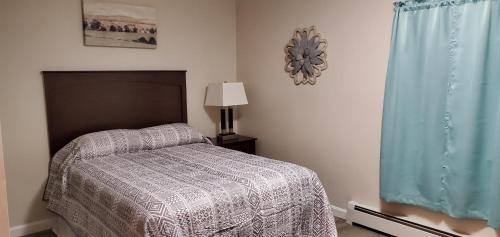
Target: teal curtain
<point x="441" y="123"/>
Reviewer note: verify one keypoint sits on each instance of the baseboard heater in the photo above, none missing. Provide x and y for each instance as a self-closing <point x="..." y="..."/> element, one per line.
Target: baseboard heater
<point x="390" y="225"/>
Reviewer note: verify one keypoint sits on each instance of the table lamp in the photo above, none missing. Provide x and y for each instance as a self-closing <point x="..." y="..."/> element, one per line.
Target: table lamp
<point x="225" y="95"/>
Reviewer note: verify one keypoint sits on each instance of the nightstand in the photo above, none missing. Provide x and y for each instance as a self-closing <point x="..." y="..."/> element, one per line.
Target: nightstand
<point x="240" y="143"/>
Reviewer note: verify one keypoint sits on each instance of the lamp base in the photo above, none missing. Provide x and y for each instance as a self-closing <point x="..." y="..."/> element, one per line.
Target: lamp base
<point x="227" y="136"/>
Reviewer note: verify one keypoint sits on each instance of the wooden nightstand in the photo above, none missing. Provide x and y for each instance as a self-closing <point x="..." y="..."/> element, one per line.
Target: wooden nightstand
<point x="240" y="143"/>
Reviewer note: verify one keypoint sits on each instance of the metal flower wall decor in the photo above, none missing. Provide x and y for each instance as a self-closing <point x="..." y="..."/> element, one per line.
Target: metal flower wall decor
<point x="306" y="56"/>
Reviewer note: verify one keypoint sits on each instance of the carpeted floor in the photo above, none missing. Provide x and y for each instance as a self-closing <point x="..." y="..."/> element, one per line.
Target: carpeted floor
<point x="344" y="230"/>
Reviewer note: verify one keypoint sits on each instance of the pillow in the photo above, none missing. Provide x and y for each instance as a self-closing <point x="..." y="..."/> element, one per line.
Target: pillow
<point x="127" y="141"/>
<point x="175" y="134"/>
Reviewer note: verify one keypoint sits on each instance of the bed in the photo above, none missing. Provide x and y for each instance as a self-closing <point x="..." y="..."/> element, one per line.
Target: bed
<point x="125" y="163"/>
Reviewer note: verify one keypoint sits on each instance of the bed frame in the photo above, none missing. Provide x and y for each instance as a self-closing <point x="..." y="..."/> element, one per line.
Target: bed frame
<point x="80" y="102"/>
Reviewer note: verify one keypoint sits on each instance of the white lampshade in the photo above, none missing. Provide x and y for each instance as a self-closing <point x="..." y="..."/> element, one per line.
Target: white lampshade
<point x="226" y="94"/>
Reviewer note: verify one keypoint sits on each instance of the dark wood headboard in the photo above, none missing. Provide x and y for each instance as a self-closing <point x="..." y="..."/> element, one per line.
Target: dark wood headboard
<point x="88" y="101"/>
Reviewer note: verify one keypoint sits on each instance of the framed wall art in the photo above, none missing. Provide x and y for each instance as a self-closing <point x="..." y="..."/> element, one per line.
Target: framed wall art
<point x="112" y="23"/>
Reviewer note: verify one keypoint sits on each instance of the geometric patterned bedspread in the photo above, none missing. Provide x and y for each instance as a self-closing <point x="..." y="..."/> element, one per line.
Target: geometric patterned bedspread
<point x="191" y="190"/>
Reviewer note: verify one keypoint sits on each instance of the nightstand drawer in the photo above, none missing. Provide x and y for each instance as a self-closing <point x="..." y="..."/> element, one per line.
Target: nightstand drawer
<point x="240" y="143"/>
<point x="247" y="146"/>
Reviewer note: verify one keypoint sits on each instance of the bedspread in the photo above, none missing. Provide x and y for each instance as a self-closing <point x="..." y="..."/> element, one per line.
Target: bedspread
<point x="189" y="190"/>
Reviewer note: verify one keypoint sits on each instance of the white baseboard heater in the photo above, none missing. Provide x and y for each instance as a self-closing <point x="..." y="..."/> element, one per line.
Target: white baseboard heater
<point x="389" y="225"/>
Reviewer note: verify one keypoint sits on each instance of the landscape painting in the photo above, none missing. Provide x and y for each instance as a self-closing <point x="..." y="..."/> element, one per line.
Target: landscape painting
<point x="119" y="24"/>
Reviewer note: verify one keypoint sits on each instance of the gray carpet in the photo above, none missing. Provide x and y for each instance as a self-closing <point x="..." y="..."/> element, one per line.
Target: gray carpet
<point x="346" y="230"/>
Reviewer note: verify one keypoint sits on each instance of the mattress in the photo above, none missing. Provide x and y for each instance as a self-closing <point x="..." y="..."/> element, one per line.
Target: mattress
<point x="190" y="189"/>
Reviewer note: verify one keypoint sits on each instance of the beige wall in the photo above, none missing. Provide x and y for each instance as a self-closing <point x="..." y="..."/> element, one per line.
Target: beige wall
<point x="4" y="218"/>
<point x="196" y="35"/>
<point x="334" y="126"/>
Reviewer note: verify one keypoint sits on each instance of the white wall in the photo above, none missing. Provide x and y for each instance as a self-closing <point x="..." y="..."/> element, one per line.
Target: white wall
<point x="196" y="35"/>
<point x="334" y="126"/>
